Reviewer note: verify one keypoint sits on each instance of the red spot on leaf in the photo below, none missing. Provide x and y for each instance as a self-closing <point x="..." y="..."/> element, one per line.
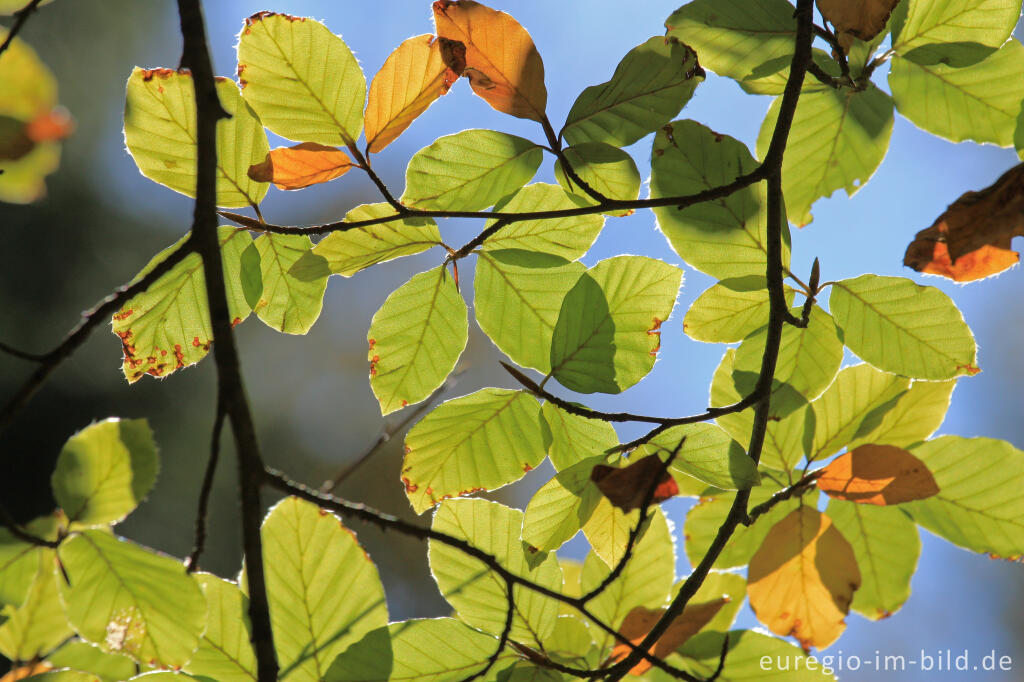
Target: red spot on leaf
<point x="196" y="342"/>
<point x="179" y="356"/>
<point x="429" y="491"/>
<point x="527" y="467"/>
<point x="404" y="403"/>
<point x="410" y="487"/>
<point x="150" y="74"/>
<point x="124" y="314"/>
<point x="970" y="369"/>
<point x="235" y="322"/>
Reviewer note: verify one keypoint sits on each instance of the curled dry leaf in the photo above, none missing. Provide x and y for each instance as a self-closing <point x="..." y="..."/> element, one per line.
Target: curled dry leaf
<point x="496" y="54"/>
<point x="857" y="19"/>
<point x="626" y="488"/>
<point x="301" y="165"/>
<point x="971" y="240"/>
<point x="878" y="474"/>
<point x="640" y="620"/>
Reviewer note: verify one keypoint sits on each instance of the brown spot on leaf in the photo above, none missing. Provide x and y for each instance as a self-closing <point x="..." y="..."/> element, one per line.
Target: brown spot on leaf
<point x="150" y="74"/>
<point x="124" y="315"/>
<point x="410" y="487"/>
<point x="196" y="342"/>
<point x="526" y="467"/>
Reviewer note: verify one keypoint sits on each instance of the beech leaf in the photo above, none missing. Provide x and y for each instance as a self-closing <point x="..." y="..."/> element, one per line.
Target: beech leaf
<point x="626" y="488"/>
<point x="301" y="165"/>
<point x="640" y="620"/>
<point x="856" y="19"/>
<point x="878" y="474"/>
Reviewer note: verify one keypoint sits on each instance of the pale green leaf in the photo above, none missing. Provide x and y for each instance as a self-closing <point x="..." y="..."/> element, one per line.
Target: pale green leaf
<point x="301" y="79"/>
<point x="324" y="591"/>
<point x="38" y="625"/>
<point x="916" y="415"/>
<point x="570" y="640"/>
<point x="349" y="251"/>
<point x="477" y="442"/>
<point x="572" y="438"/>
<point x="925" y="22"/>
<point x="160" y="132"/>
<point x="469" y="171"/>
<point x="607" y="530"/>
<point x="775" y="83"/>
<point x="478" y="594"/>
<point x="568" y="237"/>
<point x="606" y="337"/>
<point x="724" y="238"/>
<point x="557" y="512"/>
<point x="416" y="338"/>
<point x="64" y="676"/>
<point x="19" y="561"/>
<point x="902" y="327"/>
<point x="79" y="655"/>
<point x="749" y="652"/>
<point x="293" y="293"/>
<point x="225" y="652"/>
<point x="707" y="453"/>
<point x="730" y="310"/>
<point x="607" y="170"/>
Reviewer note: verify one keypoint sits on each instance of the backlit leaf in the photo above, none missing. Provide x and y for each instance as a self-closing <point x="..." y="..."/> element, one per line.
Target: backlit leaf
<point x="748" y="650"/>
<point x="706" y="453"/>
<point x="877" y="474"/>
<point x="557" y="512"/>
<point x="607" y="530"/>
<point x="640" y="620"/>
<point x="225" y="652"/>
<point x="987" y="22"/>
<point x="916" y="415"/>
<point x="349" y="251"/>
<point x="568" y="237"/>
<point x="719" y="585"/>
<point x="730" y="310"/>
<point x="301" y="165"/>
<point x="856" y="19"/>
<point x="293" y="294"/>
<point x="606" y="169"/>
<point x="574" y="438"/>
<point x="79" y="655"/>
<point x="38" y="625"/>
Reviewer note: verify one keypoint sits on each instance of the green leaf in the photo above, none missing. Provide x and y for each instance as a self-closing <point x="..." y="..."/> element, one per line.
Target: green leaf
<point x="425" y="650"/>
<point x="38" y="625"/>
<point x="19" y="561"/>
<point x="650" y="85"/>
<point x="748" y="653"/>
<point x="775" y="83"/>
<point x="730" y="310"/>
<point x="979" y="505"/>
<point x="736" y="39"/>
<point x="707" y="453"/>
<point x="980" y="102"/>
<point x="302" y="79"/>
<point x="807" y="363"/>
<point x="517" y="297"/>
<point x="716" y="585"/>
<point x="839" y="139"/>
<point x="724" y="238"/>
<point x="528" y="672"/>
<point x="416" y="338"/>
<point x="916" y="415"/>
<point x="167" y="327"/>
<point x="478" y="594"/>
<point x="80" y="655"/>
<point x="887" y="546"/>
<point x="324" y="591"/>
<point x="292" y="296"/>
<point x="160" y="132"/>
<point x="572" y="438"/>
<point x="349" y="251"/>
<point x="606" y="337"/>
<point x="66" y="676"/>
<point x="225" y="652"/>
<point x="469" y="171"/>
<point x="568" y="238"/>
<point x="130" y="600"/>
<point x="860" y="396"/>
<point x="605" y="169"/>
<point x="477" y="442"/>
<point x="988" y="22"/>
<point x="645" y="581"/>
<point x="570" y="640"/>
<point x="557" y="512"/>
<point x="104" y="471"/>
<point x="902" y="327"/>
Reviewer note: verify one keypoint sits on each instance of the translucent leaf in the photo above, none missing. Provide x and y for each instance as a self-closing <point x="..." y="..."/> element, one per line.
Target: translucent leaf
<point x="607" y="530"/>
<point x="481" y="441"/>
<point x="105" y="470"/>
<point x="574" y="438"/>
<point x="427" y="650"/>
<point x="650" y="85"/>
<point x="839" y="139"/>
<point x="301" y="165"/>
<point x="916" y="415"/>
<point x="130" y="600"/>
<point x="881" y="475"/>
<point x="724" y="238"/>
<point x="606" y="169"/>
<point x="301" y="79"/>
<point x="979" y="505"/>
<point x="569" y="237"/>
<point x="718" y="584"/>
<point x="517" y="298"/>
<point x="561" y="507"/>
<point x="730" y="310"/>
<point x="293" y="285"/>
<point x="167" y="327"/>
<point x="707" y="453"/>
<point x="415" y="338"/>
<point x="980" y="102"/>
<point x="807" y="363"/>
<point x="886" y="545"/>
<point x="38" y="625"/>
<point x="570" y="640"/>
<point x="640" y="621"/>
<point x="988" y="22"/>
<point x="225" y="652"/>
<point x="607" y="334"/>
<point x="745" y="662"/>
<point x="528" y="672"/>
<point x="902" y="327"/>
<point x="19" y="561"/>
<point x="160" y="132"/>
<point x="775" y="83"/>
<point x="469" y="171"/>
<point x="65" y="676"/>
<point x="80" y="655"/>
<point x="861" y="19"/>
<point x="413" y="76"/>
<point x="477" y="594"/>
<point x="349" y="251"/>
<point x="324" y="591"/>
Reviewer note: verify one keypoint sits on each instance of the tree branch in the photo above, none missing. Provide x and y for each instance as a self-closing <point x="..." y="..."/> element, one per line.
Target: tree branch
<point x="21" y="16"/>
<point x="192" y="562"/>
<point x="503" y="639"/>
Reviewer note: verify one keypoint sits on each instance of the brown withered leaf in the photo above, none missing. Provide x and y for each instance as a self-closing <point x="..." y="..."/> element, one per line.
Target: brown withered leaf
<point x="413" y="76"/>
<point x="496" y="54"/>
<point x="627" y="487"/>
<point x="971" y="240"/>
<point x="301" y="165"/>
<point x="877" y="474"/>
<point x="640" y="620"/>
<point x="857" y="19"/>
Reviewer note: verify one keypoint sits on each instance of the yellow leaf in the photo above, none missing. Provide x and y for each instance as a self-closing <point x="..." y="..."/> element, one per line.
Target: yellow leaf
<point x="878" y="474"/>
<point x="413" y="76"/>
<point x="500" y="59"/>
<point x="640" y="620"/>
<point x="802" y="579"/>
<point x="301" y="165"/>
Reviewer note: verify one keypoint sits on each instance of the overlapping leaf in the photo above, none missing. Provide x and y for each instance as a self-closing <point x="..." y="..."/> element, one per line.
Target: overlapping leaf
<point x="225" y="653"/>
<point x="294" y="282"/>
<point x="730" y="310"/>
<point x="572" y="438"/>
<point x="568" y="237"/>
<point x="857" y="20"/>
<point x="561" y="507"/>
<point x="745" y="661"/>
<point x="80" y="655"/>
<point x="877" y="474"/>
<point x="916" y="415"/>
<point x="984" y="22"/>
<point x="301" y="165"/>
<point x="707" y="453"/>
<point x="605" y="169"/>
<point x="640" y="620"/>
<point x="37" y="625"/>
<point x="349" y="251"/>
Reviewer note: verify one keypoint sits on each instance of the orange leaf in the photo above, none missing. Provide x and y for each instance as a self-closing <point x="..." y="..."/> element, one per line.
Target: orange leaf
<point x="300" y="166"/>
<point x="971" y="240"/>
<point x="52" y="125"/>
<point x="413" y="76"/>
<point x="626" y="488"/>
<point x="802" y="579"/>
<point x="26" y="671"/>
<point x="500" y="59"/>
<point x="860" y="19"/>
<point x="640" y="620"/>
<point x="878" y="474"/>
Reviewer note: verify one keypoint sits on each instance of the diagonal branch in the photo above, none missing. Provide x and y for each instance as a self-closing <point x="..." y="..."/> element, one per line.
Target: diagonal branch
<point x="192" y="562"/>
<point x="21" y="16"/>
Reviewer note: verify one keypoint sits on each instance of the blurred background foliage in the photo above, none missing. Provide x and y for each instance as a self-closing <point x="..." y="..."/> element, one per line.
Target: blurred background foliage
<point x="101" y="221"/>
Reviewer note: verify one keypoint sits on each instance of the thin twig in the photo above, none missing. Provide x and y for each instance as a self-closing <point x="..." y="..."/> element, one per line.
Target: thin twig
<point x="192" y="562"/>
<point x="17" y="531"/>
<point x="721" y="660"/>
<point x="20" y="354"/>
<point x="21" y="16"/>
<point x="801" y="487"/>
<point x="503" y="639"/>
<point x="570" y="172"/>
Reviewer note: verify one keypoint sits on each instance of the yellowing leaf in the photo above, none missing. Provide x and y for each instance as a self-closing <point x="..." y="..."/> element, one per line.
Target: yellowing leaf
<point x="802" y="579"/>
<point x="496" y="54"/>
<point x="301" y="165"/>
<point x="413" y="76"/>
<point x="878" y="474"/>
<point x="856" y="19"/>
<point x="640" y="620"/>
